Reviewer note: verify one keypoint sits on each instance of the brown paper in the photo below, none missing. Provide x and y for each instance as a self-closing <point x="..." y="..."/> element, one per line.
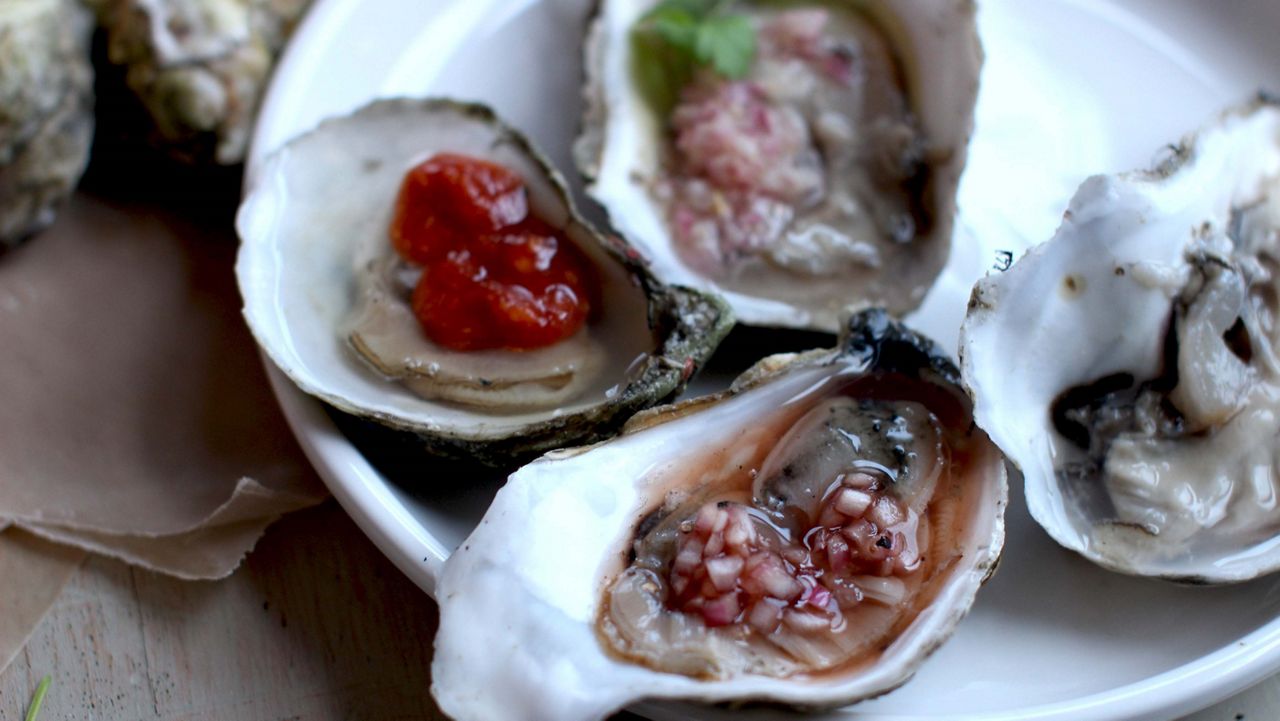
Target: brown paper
<point x="34" y="573"/>
<point x="209" y="550"/>
<point x="137" y="421"/>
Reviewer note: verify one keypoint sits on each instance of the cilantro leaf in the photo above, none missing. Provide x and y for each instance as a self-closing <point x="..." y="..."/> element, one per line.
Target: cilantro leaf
<point x="675" y="37"/>
<point x="677" y="26"/>
<point x="659" y="71"/>
<point x="696" y="8"/>
<point x="727" y="43"/>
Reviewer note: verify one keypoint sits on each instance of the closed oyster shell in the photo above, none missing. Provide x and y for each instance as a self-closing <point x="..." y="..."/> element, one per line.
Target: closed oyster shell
<point x="317" y="218"/>
<point x="1128" y="366"/>
<point x="46" y="110"/>
<point x="625" y="151"/>
<point x="199" y="67"/>
<point x="522" y="601"/>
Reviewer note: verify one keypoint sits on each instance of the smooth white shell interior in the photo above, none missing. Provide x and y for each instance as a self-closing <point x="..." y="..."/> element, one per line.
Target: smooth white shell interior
<point x="519" y="599"/>
<point x="1065" y="316"/>
<point x="330" y="193"/>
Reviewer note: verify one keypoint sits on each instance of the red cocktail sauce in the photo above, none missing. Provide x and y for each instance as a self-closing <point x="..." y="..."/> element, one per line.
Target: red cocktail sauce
<point x="494" y="276"/>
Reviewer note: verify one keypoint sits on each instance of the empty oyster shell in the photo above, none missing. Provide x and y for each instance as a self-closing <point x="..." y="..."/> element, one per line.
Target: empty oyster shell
<point x="825" y="178"/>
<point x="1129" y="368"/>
<point x="585" y="586"/>
<point x="313" y="271"/>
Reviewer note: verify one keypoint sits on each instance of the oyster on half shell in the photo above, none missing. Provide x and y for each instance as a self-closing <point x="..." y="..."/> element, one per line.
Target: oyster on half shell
<point x="807" y="537"/>
<point x="825" y="178"/>
<point x="1129" y="365"/>
<point x="324" y="296"/>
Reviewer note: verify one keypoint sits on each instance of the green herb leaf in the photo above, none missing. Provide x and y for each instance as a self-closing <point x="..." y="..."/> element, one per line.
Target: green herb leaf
<point x="36" y="701"/>
<point x="697" y="8"/>
<point x="677" y="26"/>
<point x="676" y="36"/>
<point x="660" y="69"/>
<point x="726" y="43"/>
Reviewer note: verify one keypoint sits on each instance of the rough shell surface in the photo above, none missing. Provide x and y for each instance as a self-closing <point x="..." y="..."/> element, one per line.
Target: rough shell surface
<point x="46" y="110"/>
<point x="199" y="67"/>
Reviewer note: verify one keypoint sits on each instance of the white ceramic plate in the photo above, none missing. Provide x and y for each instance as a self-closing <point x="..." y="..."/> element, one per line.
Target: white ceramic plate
<point x="1070" y="88"/>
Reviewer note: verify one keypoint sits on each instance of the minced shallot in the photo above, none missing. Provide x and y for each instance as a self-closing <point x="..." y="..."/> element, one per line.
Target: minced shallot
<point x="733" y="566"/>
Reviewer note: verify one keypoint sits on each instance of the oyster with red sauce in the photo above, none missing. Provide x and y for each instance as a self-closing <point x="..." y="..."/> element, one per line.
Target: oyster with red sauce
<point x="807" y="537"/>
<point x="333" y="304"/>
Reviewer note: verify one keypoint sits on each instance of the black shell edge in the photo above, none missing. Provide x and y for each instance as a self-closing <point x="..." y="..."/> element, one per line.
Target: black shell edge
<point x="871" y="338"/>
<point x="887" y="345"/>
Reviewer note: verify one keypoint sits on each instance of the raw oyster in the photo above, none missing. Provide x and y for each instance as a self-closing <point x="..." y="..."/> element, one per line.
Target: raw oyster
<point x="46" y="110"/>
<point x="1129" y="366"/>
<point x="560" y="603"/>
<point x="199" y="66"/>
<point x="315" y="276"/>
<point x="825" y="178"/>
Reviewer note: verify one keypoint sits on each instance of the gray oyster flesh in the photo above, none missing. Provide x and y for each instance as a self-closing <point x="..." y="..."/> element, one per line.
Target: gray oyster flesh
<point x="1213" y="399"/>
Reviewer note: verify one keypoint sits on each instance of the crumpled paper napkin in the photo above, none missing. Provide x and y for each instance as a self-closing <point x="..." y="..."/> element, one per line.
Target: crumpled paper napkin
<point x="135" y="416"/>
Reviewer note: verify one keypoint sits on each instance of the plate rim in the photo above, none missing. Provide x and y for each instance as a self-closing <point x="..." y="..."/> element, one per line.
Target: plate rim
<point x="1184" y="689"/>
<point x="421" y="555"/>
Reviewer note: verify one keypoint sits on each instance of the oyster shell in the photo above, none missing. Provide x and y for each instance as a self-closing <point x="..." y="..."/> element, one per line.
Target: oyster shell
<point x="313" y="270"/>
<point x="840" y="192"/>
<point x="1128" y="366"/>
<point x="199" y="67"/>
<point x="554" y="607"/>
<point x="46" y="110"/>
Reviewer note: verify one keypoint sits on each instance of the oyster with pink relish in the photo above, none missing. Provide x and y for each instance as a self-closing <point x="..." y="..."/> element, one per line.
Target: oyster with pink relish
<point x="810" y="163"/>
<point x="808" y="538"/>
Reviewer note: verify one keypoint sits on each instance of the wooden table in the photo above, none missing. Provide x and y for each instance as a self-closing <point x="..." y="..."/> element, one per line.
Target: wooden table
<point x="317" y="625"/>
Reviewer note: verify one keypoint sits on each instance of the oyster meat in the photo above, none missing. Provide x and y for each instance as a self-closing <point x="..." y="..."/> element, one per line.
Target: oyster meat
<point x="824" y="177"/>
<point x="1129" y="365"/>
<point x="807" y="537"/>
<point x="326" y="296"/>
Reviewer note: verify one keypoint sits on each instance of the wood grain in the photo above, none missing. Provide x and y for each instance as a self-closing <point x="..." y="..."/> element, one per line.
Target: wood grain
<point x="32" y="575"/>
<point x="317" y="625"/>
